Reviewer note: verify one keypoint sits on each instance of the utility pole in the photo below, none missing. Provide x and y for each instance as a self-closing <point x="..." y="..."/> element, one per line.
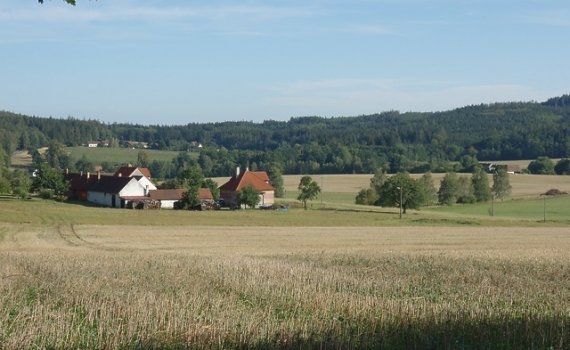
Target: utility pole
<point x="401" y="196"/>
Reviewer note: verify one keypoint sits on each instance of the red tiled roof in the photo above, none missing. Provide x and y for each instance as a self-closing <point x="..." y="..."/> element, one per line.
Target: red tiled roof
<point x="80" y="182"/>
<point x="129" y="170"/>
<point x="176" y="194"/>
<point x="258" y="179"/>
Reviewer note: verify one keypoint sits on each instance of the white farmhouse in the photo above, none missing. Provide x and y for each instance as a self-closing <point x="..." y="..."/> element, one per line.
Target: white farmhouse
<point x="114" y="192"/>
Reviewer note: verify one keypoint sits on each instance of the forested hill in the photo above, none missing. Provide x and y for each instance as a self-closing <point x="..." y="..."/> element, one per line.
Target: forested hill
<point x="498" y="131"/>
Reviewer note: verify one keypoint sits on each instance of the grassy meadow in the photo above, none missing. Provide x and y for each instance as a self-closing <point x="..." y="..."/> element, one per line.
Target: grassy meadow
<point x="118" y="155"/>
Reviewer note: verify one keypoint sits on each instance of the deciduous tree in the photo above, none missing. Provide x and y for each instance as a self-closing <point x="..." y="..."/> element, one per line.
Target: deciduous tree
<point x="562" y="167"/>
<point x="501" y="185"/>
<point x="542" y="166"/>
<point x="448" y="189"/>
<point x="400" y="189"/>
<point x="248" y="196"/>
<point x="308" y="190"/>
<point x="480" y="183"/>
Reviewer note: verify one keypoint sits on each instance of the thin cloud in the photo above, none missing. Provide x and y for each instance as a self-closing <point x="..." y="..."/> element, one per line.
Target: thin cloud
<point x="366" y="96"/>
<point x="370" y="29"/>
<point x="560" y="18"/>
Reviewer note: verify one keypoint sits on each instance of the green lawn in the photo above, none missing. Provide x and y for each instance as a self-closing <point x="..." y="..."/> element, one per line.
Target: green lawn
<point x="119" y="155"/>
<point x="554" y="208"/>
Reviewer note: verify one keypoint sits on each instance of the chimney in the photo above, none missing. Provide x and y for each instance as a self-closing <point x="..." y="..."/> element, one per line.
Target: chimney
<point x="81" y="173"/>
<point x="237" y="171"/>
<point x="88" y="175"/>
<point x="66" y="171"/>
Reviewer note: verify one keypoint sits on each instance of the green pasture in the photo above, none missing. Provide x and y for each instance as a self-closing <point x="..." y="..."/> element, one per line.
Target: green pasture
<point x="119" y="155"/>
<point x="331" y="199"/>
<point x="325" y="214"/>
<point x="536" y="209"/>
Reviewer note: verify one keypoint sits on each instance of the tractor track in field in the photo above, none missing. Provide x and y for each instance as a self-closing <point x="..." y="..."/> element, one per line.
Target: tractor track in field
<point x="72" y="238"/>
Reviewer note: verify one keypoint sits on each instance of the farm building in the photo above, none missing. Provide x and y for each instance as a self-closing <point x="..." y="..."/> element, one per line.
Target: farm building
<point x="167" y="198"/>
<point x="142" y="175"/>
<point x="79" y="184"/>
<point x="110" y="190"/>
<point x="114" y="191"/>
<point x="258" y="179"/>
<point x="130" y="171"/>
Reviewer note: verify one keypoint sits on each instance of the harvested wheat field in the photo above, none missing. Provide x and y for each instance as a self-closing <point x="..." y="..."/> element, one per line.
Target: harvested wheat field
<point x="97" y="286"/>
<point x="523" y="185"/>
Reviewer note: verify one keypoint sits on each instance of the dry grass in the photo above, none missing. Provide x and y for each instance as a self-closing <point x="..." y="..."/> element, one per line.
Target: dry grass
<point x="522" y="185"/>
<point x="94" y="286"/>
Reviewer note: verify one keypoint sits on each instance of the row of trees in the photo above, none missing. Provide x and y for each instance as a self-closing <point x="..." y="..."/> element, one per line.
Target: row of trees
<point x="545" y="166"/>
<point x="403" y="191"/>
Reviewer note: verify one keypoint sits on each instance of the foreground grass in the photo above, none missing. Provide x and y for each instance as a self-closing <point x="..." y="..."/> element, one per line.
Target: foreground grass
<point x="106" y="286"/>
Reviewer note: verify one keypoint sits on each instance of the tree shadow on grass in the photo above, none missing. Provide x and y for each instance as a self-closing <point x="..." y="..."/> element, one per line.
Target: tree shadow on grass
<point x="511" y="333"/>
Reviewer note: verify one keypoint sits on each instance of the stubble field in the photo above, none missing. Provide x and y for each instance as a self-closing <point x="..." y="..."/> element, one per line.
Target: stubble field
<point x="167" y="282"/>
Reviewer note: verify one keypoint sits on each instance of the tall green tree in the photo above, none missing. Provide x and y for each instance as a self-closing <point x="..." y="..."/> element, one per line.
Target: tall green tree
<point x="465" y="190"/>
<point x="84" y="164"/>
<point x="143" y="159"/>
<point x="57" y="156"/>
<point x="448" y="192"/>
<point x="213" y="186"/>
<point x="541" y="166"/>
<point x="21" y="183"/>
<point x="562" y="167"/>
<point x="5" y="187"/>
<point x="400" y="190"/>
<point x="501" y="183"/>
<point x="50" y="183"/>
<point x="248" y="196"/>
<point x="480" y="183"/>
<point x="192" y="179"/>
<point x="377" y="181"/>
<point x="366" y="196"/>
<point x="276" y="180"/>
<point x="308" y="190"/>
<point x="427" y="189"/>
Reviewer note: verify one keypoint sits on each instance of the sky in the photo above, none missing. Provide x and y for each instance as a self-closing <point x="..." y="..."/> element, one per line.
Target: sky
<point x="158" y="62"/>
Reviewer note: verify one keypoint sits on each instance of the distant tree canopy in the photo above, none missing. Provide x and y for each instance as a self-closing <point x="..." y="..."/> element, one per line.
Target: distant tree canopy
<point x="397" y="142"/>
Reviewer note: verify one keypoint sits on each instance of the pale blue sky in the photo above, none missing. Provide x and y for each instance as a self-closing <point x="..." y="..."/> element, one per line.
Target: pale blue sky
<point x="176" y="62"/>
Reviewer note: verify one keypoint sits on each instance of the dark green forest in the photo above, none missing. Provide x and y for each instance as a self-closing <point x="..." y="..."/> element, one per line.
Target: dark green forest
<point x="394" y="141"/>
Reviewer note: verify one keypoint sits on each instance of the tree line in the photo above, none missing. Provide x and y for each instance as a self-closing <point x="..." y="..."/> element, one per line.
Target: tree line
<point x="401" y="190"/>
<point x="397" y="142"/>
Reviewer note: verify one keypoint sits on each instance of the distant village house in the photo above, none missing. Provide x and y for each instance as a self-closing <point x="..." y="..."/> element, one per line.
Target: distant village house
<point x="258" y="179"/>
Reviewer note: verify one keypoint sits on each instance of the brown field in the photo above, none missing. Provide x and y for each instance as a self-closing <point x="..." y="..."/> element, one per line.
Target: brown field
<point x="106" y="286"/>
<point x="522" y="185"/>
